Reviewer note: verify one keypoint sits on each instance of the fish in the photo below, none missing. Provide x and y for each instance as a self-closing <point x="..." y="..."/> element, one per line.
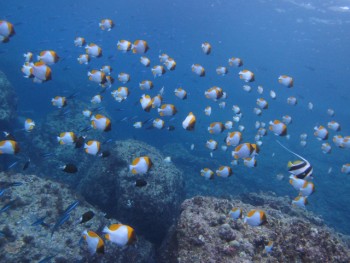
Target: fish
<point x="170" y="64"/>
<point x="93" y="50"/>
<point x="59" y="101"/>
<point x="124" y="45"/>
<point x="246" y="75"/>
<point x="233" y="138"/>
<point x="321" y="132"/>
<point x="206" y="47"/>
<point x="262" y="103"/>
<point x="84" y="59"/>
<point x="242" y="151"/>
<point x="40" y="221"/>
<point x="286" y="119"/>
<point x="140" y="182"/>
<point x="222" y="71"/>
<point x="345" y="168"/>
<point x="41" y="72"/>
<point x="211" y="144"/>
<point x="140" y="165"/>
<point x="69" y="168"/>
<point x="7" y="206"/>
<point x="92" y="147"/>
<point x="292" y="100"/>
<point x="255" y="217"/>
<point x="207" y="173"/>
<point x="268" y="248"/>
<point x="139" y="47"/>
<point x="207" y="111"/>
<point x="12" y="165"/>
<point x="145" y="61"/>
<point x="198" y="70"/>
<point x="146" y="102"/>
<point x="300" y="201"/>
<point x="190" y="122"/>
<point x="123" y="77"/>
<point x="273" y="94"/>
<point x="100" y="122"/>
<point x="300" y="169"/>
<point x="167" y="110"/>
<point x="6" y="31"/>
<point x="250" y="162"/>
<point x="48" y="57"/>
<point x="216" y="128"/>
<point x="79" y="41"/>
<point x="326" y="147"/>
<point x="236" y="213"/>
<point x="278" y="128"/>
<point x="214" y="93"/>
<point x="96" y="99"/>
<point x="27" y="70"/>
<point x="158" y="70"/>
<point x="235" y="62"/>
<point x="106" y="24"/>
<point x="224" y="171"/>
<point x="286" y="81"/>
<point x="158" y="123"/>
<point x="307" y="189"/>
<point x="106" y="69"/>
<point x="120" y="234"/>
<point x="333" y="125"/>
<point x="180" y="93"/>
<point x="97" y="76"/>
<point x="94" y="242"/>
<point x="87" y="216"/>
<point x="9" y="147"/>
<point x="67" y="138"/>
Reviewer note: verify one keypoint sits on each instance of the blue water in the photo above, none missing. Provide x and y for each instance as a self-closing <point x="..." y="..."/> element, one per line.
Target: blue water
<point x="306" y="40"/>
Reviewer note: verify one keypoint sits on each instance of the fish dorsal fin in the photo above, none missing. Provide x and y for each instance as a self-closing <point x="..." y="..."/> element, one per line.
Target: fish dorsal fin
<point x="292" y="151"/>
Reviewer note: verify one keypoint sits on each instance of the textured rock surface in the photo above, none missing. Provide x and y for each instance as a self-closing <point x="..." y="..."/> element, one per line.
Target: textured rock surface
<point x="8" y="102"/>
<point x="37" y="197"/>
<point x="44" y="140"/>
<point x="152" y="208"/>
<point x="204" y="233"/>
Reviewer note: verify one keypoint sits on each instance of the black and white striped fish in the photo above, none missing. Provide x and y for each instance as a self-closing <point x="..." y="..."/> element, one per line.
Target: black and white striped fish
<point x="302" y="169"/>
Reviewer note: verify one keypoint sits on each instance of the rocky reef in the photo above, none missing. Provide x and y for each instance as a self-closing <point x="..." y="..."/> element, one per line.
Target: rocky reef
<point x="32" y="198"/>
<point x="8" y="102"/>
<point x="150" y="209"/>
<point x="205" y="233"/>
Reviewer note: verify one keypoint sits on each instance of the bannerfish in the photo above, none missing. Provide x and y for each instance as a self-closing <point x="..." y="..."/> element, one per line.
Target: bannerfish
<point x="301" y="169"/>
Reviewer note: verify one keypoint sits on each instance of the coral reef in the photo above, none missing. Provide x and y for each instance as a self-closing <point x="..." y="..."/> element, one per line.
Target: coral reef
<point x="205" y="233"/>
<point x="150" y="209"/>
<point x="37" y="197"/>
<point x="8" y="102"/>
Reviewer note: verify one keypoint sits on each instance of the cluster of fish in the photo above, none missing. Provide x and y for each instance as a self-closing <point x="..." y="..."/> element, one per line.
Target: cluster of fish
<point x="300" y="170"/>
<point x="119" y="234"/>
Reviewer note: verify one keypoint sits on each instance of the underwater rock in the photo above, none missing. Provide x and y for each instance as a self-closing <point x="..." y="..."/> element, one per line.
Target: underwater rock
<point x="150" y="209"/>
<point x="43" y="140"/>
<point x="197" y="236"/>
<point x="8" y="102"/>
<point x="35" y="198"/>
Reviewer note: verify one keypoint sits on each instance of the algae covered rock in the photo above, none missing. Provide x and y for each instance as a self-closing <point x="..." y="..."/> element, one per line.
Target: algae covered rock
<point x="150" y="209"/>
<point x="33" y="198"/>
<point x="204" y="233"/>
<point x="8" y="101"/>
